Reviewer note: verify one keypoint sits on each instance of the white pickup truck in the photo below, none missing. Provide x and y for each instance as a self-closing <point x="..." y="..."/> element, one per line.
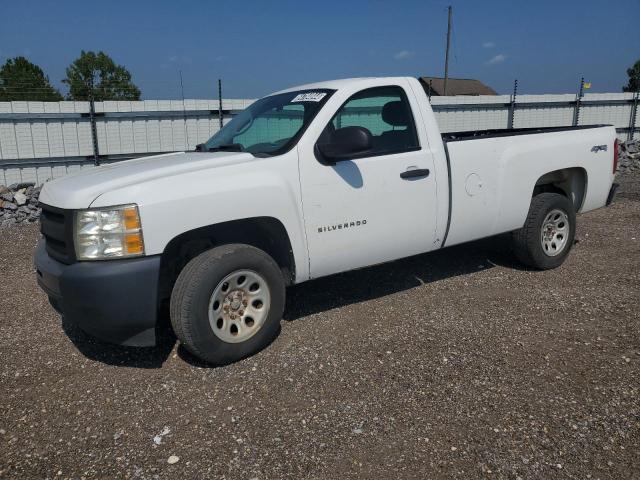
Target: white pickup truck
<point x="306" y="182"/>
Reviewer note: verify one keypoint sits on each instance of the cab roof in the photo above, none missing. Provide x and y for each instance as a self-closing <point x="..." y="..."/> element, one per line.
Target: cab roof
<point x="342" y="83"/>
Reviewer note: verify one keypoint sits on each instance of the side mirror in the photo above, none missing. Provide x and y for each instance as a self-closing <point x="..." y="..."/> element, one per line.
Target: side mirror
<point x="345" y="143"/>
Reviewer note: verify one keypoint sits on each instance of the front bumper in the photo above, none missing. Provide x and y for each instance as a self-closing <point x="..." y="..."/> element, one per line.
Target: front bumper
<point x="114" y="300"/>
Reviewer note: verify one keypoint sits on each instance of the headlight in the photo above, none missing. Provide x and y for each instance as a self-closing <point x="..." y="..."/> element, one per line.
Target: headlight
<point x="113" y="232"/>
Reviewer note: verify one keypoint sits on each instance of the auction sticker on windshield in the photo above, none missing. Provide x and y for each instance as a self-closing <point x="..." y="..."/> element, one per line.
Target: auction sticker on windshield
<point x="309" y="97"/>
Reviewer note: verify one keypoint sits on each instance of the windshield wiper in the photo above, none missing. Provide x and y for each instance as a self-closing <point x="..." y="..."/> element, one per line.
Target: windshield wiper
<point x="228" y="147"/>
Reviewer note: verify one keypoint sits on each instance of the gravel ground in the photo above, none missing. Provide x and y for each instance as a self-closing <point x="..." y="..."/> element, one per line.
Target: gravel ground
<point x="453" y="364"/>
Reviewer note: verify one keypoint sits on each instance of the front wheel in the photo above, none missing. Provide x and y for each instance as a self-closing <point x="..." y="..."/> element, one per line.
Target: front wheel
<point x="227" y="303"/>
<point x="548" y="232"/>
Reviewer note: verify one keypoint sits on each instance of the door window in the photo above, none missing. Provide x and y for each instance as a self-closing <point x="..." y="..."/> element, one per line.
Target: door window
<point x="386" y="113"/>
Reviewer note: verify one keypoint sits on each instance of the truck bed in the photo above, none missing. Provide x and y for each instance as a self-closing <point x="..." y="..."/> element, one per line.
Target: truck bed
<point x="492" y="174"/>
<point x="509" y="132"/>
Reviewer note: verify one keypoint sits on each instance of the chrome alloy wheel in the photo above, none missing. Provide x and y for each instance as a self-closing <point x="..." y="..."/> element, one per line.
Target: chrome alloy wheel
<point x="554" y="232"/>
<point x="239" y="306"/>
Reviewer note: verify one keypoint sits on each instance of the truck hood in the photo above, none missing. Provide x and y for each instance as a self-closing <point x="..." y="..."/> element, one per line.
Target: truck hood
<point x="79" y="190"/>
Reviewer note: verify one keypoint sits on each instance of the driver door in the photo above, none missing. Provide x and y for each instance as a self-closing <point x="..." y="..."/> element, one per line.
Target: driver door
<point x="368" y="209"/>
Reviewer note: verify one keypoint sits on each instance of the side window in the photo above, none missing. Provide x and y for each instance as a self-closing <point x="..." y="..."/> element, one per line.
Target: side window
<point x="386" y="113"/>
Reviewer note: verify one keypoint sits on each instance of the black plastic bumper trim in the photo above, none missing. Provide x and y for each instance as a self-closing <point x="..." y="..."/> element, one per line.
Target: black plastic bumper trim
<point x="115" y="301"/>
<point x="612" y="193"/>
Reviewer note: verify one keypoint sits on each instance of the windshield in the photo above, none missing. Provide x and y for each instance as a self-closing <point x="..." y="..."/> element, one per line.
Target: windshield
<point x="271" y="125"/>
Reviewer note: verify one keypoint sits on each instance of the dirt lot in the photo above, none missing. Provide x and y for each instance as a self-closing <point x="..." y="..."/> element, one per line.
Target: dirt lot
<point x="455" y="364"/>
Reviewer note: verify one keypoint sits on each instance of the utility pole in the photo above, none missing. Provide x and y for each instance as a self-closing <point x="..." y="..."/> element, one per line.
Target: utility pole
<point x="220" y="102"/>
<point x="446" y="56"/>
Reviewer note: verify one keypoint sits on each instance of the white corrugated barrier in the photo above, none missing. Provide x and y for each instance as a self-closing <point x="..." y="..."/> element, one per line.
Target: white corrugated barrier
<point x="42" y="140"/>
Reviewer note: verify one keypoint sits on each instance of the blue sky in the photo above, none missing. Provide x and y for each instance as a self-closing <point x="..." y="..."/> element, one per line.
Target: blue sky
<point x="260" y="46"/>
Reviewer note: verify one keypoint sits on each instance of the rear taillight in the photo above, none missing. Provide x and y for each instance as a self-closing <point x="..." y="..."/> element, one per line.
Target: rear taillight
<point x="615" y="156"/>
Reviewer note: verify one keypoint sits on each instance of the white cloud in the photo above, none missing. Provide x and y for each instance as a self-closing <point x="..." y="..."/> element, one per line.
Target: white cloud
<point x="403" y="55"/>
<point x="488" y="44"/>
<point x="501" y="57"/>
<point x="180" y="59"/>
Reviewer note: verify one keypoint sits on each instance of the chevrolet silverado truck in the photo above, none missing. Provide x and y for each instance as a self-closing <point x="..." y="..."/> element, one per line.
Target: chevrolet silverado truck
<point x="307" y="182"/>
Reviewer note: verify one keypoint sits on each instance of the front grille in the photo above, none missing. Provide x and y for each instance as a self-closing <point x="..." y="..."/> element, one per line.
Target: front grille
<point x="56" y="225"/>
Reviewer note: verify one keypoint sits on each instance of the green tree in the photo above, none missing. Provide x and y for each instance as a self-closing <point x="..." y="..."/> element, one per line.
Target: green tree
<point x="97" y="74"/>
<point x="22" y="80"/>
<point x="634" y="78"/>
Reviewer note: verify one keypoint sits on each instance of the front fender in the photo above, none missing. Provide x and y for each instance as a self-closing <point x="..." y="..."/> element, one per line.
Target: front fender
<point x="172" y="205"/>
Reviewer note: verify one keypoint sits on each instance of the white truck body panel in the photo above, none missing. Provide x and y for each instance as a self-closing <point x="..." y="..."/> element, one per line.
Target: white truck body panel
<point x="365" y="190"/>
<point x="491" y="180"/>
<point x="80" y="189"/>
<point x="262" y="187"/>
<point x="179" y="192"/>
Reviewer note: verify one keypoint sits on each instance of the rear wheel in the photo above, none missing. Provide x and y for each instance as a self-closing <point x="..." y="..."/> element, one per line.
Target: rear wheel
<point x="227" y="303"/>
<point x="548" y="233"/>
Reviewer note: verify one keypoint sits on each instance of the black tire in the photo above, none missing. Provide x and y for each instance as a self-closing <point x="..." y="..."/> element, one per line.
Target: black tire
<point x="193" y="290"/>
<point x="527" y="244"/>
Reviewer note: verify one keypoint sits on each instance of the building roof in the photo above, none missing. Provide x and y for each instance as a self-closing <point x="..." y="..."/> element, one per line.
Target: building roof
<point x="456" y="86"/>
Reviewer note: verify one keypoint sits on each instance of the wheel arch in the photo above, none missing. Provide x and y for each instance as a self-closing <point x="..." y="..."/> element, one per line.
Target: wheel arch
<point x="570" y="182"/>
<point x="266" y="233"/>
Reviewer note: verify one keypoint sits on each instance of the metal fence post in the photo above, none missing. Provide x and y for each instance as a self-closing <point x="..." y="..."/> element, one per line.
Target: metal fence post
<point x="220" y="102"/>
<point x="632" y="117"/>
<point x="94" y="131"/>
<point x="512" y="105"/>
<point x="576" y="116"/>
<point x="184" y="114"/>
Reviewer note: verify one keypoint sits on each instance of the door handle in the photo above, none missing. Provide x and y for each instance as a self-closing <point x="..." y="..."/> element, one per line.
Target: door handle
<point x="415" y="173"/>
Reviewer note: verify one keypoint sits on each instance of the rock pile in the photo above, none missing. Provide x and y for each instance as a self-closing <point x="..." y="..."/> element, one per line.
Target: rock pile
<point x="19" y="203"/>
<point x="629" y="157"/>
